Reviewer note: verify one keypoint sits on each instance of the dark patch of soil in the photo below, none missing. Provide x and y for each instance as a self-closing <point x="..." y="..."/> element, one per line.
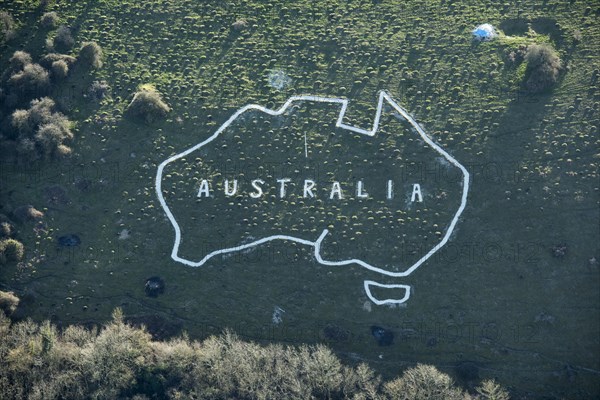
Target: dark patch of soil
<point x="69" y="240"/>
<point x="383" y="336"/>
<point x="154" y="286"/>
<point x="56" y="195"/>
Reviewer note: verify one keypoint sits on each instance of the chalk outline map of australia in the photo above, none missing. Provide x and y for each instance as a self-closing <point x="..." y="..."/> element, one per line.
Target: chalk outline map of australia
<point x="316" y="244"/>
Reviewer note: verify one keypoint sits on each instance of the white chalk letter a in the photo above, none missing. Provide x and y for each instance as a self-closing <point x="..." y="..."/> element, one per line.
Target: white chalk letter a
<point x="416" y="192"/>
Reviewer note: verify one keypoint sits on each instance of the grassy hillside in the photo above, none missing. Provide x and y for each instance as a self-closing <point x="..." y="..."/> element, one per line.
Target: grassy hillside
<point x="513" y="296"/>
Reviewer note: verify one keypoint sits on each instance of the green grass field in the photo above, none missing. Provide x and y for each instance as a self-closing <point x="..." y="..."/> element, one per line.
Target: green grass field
<point x="495" y="300"/>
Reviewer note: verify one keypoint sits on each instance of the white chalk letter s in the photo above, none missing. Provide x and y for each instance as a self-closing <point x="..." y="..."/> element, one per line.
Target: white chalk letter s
<point x="256" y="185"/>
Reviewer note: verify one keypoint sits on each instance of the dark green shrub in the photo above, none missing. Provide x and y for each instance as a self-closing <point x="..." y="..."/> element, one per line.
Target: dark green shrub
<point x="148" y="105"/>
<point x="50" y="58"/>
<point x="63" y="41"/>
<point x="8" y="303"/>
<point x="60" y="70"/>
<point x="27" y="213"/>
<point x="543" y="67"/>
<point x="7" y="228"/>
<point x="11" y="250"/>
<point x="41" y="130"/>
<point x="90" y="55"/>
<point x="32" y="81"/>
<point x="239" y="25"/>
<point x="98" y="90"/>
<point x="49" y="19"/>
<point x="7" y="27"/>
<point x="19" y="60"/>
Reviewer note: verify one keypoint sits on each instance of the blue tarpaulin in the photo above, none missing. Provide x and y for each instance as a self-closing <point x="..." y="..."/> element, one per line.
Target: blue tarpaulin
<point x="484" y="32"/>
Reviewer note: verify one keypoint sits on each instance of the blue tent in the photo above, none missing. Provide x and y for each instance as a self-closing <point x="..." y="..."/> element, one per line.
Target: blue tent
<point x="484" y="32"/>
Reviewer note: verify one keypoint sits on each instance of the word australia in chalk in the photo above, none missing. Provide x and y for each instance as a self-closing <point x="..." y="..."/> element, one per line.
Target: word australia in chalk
<point x="350" y="196"/>
<point x="308" y="188"/>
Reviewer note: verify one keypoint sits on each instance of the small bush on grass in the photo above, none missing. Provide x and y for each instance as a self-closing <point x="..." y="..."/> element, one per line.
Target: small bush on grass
<point x="8" y="303"/>
<point x="60" y="70"/>
<point x="7" y="27"/>
<point x="49" y="19"/>
<point x="98" y="90"/>
<point x="32" y="81"/>
<point x="19" y="60"/>
<point x="90" y="55"/>
<point x="41" y="130"/>
<point x="63" y="41"/>
<point x="11" y="250"/>
<point x="148" y="105"/>
<point x="543" y="67"/>
<point x="51" y="58"/>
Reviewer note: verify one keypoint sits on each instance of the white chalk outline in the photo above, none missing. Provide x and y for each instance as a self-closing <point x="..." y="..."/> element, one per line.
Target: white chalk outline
<point x="317" y="244"/>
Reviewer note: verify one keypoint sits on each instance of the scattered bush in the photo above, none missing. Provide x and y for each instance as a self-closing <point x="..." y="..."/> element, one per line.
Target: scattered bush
<point x="423" y="382"/>
<point x="60" y="70"/>
<point x="90" y="55"/>
<point x="98" y="90"/>
<point x="32" y="81"/>
<point x="148" y="105"/>
<point x="490" y="390"/>
<point x="41" y="131"/>
<point x="543" y="67"/>
<point x="8" y="303"/>
<point x="19" y="60"/>
<point x="7" y="27"/>
<point x="51" y="58"/>
<point x="63" y="41"/>
<point x="49" y="19"/>
<point x="11" y="250"/>
<point x="120" y="361"/>
<point x="239" y="25"/>
<point x="6" y="229"/>
<point x="27" y="213"/>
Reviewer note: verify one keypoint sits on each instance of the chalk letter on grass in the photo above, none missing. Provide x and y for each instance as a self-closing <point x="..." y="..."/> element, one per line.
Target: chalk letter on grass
<point x="233" y="191"/>
<point x="416" y="193"/>
<point x="256" y="185"/>
<point x="204" y="191"/>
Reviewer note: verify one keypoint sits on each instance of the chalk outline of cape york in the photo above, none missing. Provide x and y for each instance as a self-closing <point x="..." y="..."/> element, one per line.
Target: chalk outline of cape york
<point x="317" y="243"/>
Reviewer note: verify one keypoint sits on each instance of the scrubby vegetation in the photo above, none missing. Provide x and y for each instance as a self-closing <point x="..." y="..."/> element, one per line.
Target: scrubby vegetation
<point x="49" y="19"/>
<point x="41" y="131"/>
<point x="11" y="250"/>
<point x="120" y="361"/>
<point x="7" y="27"/>
<point x="63" y="41"/>
<point x="543" y="67"/>
<point x="90" y="55"/>
<point x="8" y="303"/>
<point x="148" y="105"/>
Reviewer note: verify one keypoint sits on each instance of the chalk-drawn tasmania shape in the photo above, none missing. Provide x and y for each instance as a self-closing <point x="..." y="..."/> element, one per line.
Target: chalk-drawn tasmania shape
<point x="385" y="199"/>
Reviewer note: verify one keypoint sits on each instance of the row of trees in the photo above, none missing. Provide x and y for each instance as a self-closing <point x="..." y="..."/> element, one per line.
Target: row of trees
<point x="120" y="361"/>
